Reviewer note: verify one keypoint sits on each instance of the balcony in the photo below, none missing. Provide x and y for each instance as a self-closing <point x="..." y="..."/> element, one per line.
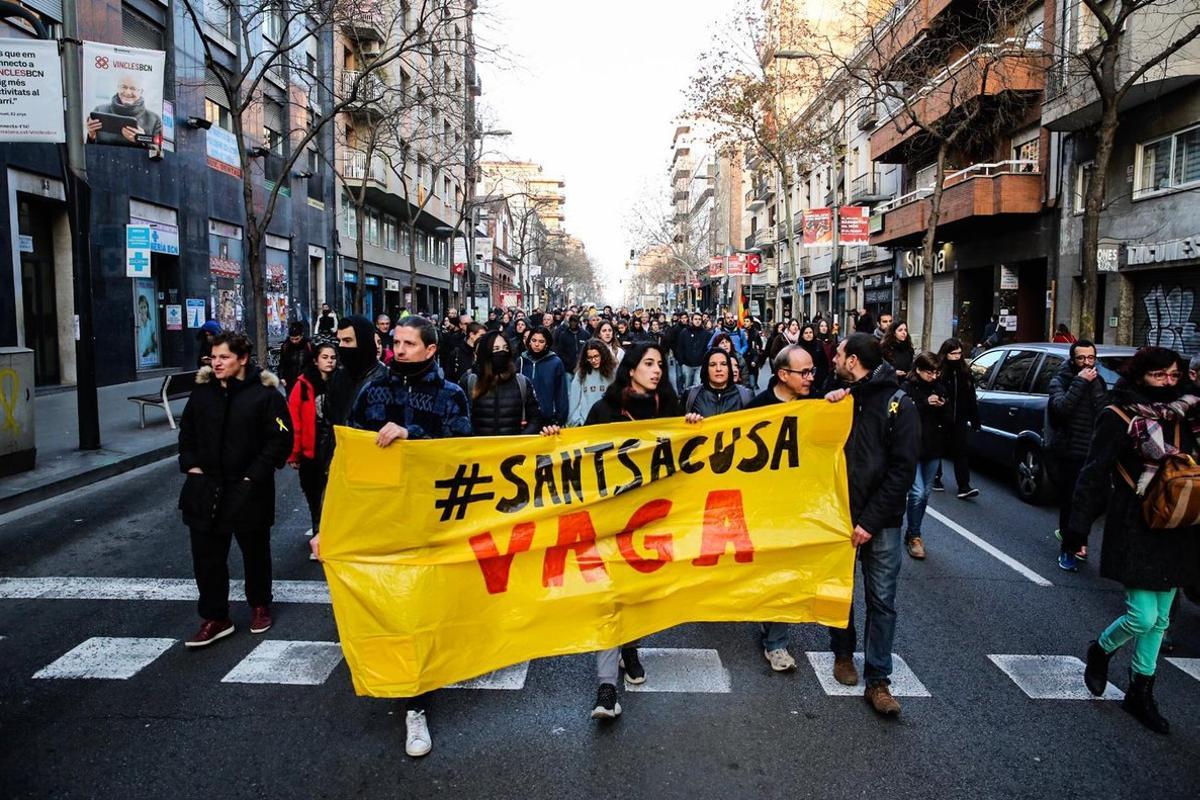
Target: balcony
<point x="765" y="237"/>
<point x="680" y="195"/>
<point x="366" y="26"/>
<point x="864" y="255"/>
<point x="864" y="190"/>
<point x="750" y="241"/>
<point x="370" y="96"/>
<point x="355" y="170"/>
<point x="761" y="193"/>
<point x="905" y="24"/>
<point x="970" y="198"/>
<point x="989" y="70"/>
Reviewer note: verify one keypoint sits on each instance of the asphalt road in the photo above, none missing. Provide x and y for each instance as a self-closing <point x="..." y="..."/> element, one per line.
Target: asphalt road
<point x="175" y="729"/>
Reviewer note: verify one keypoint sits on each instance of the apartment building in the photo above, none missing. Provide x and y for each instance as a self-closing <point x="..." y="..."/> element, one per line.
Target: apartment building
<point x="495" y="258"/>
<point x="537" y="201"/>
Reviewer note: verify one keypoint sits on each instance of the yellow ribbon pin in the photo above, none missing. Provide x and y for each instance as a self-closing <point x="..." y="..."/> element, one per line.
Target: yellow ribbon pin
<point x="279" y="422"/>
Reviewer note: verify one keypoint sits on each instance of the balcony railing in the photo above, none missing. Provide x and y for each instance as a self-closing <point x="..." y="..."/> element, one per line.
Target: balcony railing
<point x="865" y="187"/>
<point x="355" y="168"/>
<point x="1014" y="167"/>
<point x="370" y="88"/>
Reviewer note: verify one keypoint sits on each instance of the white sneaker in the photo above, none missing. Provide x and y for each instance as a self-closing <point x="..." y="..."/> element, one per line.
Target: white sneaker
<point x="309" y="533"/>
<point x="312" y="556"/>
<point x="781" y="660"/>
<point x="417" y="742"/>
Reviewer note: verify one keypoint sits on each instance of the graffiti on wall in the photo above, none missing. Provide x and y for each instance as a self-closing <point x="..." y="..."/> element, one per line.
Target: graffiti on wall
<point x="1169" y="319"/>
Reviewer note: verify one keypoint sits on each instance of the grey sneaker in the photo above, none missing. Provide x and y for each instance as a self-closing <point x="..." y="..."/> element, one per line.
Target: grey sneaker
<point x="781" y="660"/>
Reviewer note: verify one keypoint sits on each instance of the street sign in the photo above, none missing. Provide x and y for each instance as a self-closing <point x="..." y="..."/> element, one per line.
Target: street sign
<point x="753" y="263"/>
<point x="137" y="251"/>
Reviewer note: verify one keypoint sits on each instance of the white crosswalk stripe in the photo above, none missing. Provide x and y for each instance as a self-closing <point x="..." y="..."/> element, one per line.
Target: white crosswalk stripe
<point x="671" y="669"/>
<point x="287" y="663"/>
<point x="1189" y="665"/>
<point x="904" y="682"/>
<point x="509" y="678"/>
<point x="110" y="657"/>
<point x="1050" y="677"/>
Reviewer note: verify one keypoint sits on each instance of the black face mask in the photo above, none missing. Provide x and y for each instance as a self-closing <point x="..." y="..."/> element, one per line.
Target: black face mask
<point x="501" y="361"/>
<point x="1160" y="394"/>
<point x="410" y="369"/>
<point x="352" y="358"/>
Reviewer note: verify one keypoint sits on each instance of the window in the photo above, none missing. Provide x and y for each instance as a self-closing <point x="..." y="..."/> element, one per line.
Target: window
<point x="406" y="242"/>
<point x="371" y="222"/>
<point x="350" y="221"/>
<point x="1026" y="147"/>
<point x="273" y="23"/>
<point x="1084" y="174"/>
<point x="215" y="109"/>
<point x="389" y="233"/>
<point x="139" y="30"/>
<point x="274" y="125"/>
<point x="982" y="367"/>
<point x="1015" y="369"/>
<point x="219" y="15"/>
<point x="1171" y="162"/>
<point x="1050" y="367"/>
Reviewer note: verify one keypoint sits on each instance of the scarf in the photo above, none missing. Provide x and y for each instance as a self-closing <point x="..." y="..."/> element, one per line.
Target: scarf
<point x="1146" y="430"/>
<point x="790" y="339"/>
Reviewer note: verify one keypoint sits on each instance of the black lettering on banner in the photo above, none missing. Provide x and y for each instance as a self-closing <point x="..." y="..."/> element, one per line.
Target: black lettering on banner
<point x="722" y="458"/>
<point x="572" y="475"/>
<point x="597" y="451"/>
<point x="630" y="464"/>
<point x="543" y="477"/>
<point x="685" y="454"/>
<point x="511" y="505"/>
<point x="757" y="461"/>
<point x="663" y="458"/>
<point x="787" y="443"/>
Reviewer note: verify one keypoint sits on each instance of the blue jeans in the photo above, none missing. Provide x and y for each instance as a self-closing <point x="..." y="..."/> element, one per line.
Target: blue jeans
<point x="688" y="376"/>
<point x="774" y="635"/>
<point x="880" y="560"/>
<point x="918" y="496"/>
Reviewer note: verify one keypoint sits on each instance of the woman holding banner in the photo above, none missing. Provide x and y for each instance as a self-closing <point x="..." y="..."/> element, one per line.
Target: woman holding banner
<point x="503" y="402"/>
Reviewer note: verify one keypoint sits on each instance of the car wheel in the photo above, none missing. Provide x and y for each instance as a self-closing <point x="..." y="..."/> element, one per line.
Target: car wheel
<point x="1032" y="481"/>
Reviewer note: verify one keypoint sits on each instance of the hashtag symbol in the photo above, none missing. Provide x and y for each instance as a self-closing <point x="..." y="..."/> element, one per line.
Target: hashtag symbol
<point x="460" y="492"/>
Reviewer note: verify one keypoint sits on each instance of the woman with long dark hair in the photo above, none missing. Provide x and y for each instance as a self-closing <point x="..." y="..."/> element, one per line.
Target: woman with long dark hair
<point x="929" y="396"/>
<point x="593" y="375"/>
<point x="717" y="392"/>
<point x="962" y="414"/>
<point x="812" y="345"/>
<point x="898" y="349"/>
<point x="1151" y="420"/>
<point x="312" y="429"/>
<point x="606" y="333"/>
<point x="503" y="402"/>
<point x="723" y="341"/>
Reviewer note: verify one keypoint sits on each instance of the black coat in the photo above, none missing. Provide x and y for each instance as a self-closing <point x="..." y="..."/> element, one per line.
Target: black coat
<point x="458" y="361"/>
<point x="293" y="359"/>
<point x="238" y="436"/>
<point x="960" y="394"/>
<point x="881" y="452"/>
<point x="691" y="345"/>
<point x="935" y="420"/>
<point x="502" y="410"/>
<point x="611" y="407"/>
<point x="1072" y="409"/>
<point x="821" y="364"/>
<point x="569" y="343"/>
<point x="900" y="356"/>
<point x="1132" y="553"/>
<point x="709" y="402"/>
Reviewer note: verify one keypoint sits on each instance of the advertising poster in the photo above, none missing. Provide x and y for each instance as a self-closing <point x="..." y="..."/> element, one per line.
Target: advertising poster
<point x="277" y="301"/>
<point x="195" y="312"/>
<point x="122" y="95"/>
<point x="716" y="266"/>
<point x="31" y="92"/>
<point x="221" y="148"/>
<point x="818" y="227"/>
<point x="174" y="317"/>
<point x="145" y="320"/>
<point x="853" y="225"/>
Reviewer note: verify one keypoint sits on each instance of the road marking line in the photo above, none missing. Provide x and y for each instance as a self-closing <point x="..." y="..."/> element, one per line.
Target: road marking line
<point x="1189" y="665"/>
<point x="681" y="669"/>
<point x="904" y="681"/>
<point x="1050" y="677"/>
<point x="80" y="588"/>
<point x="508" y="678"/>
<point x="999" y="555"/>
<point x="287" y="663"/>
<point x="108" y="657"/>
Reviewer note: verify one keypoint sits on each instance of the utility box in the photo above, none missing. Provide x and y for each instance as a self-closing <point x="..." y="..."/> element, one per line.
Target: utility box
<point x="18" y="444"/>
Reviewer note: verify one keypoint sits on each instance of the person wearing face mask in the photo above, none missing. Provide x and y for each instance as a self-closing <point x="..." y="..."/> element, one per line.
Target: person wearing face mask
<point x="503" y="402"/>
<point x="962" y="415"/>
<point x="545" y="371"/>
<point x="1153" y="416"/>
<point x="358" y="365"/>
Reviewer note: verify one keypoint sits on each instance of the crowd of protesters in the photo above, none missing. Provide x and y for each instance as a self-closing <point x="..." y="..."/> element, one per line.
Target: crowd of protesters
<point x="519" y="373"/>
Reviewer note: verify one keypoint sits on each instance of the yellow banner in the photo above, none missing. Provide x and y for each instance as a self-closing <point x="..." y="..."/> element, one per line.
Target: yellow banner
<point x="449" y="558"/>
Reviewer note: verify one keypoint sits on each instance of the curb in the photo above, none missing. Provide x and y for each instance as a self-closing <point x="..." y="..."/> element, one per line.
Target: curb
<point x="69" y="483"/>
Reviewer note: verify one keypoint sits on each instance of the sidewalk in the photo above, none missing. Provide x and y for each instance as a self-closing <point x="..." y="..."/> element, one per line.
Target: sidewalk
<point x="62" y="466"/>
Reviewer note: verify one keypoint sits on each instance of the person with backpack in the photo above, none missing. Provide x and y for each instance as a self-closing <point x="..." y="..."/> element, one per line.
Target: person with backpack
<point x="716" y="393"/>
<point x="593" y="376"/>
<point x="502" y="400"/>
<point x="312" y="429"/>
<point x="930" y="398"/>
<point x="881" y="462"/>
<point x="1141" y="473"/>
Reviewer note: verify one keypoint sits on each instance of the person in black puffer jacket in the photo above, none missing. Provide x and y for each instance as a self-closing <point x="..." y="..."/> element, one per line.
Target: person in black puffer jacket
<point x="234" y="433"/>
<point x="963" y="415"/>
<point x="1077" y="396"/>
<point x="930" y="398"/>
<point x="1150" y="563"/>
<point x="716" y="392"/>
<point x="502" y="400"/>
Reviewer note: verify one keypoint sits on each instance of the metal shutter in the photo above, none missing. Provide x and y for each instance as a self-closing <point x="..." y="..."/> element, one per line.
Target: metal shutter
<point x="140" y="31"/>
<point x="1166" y="309"/>
<point x="51" y="8"/>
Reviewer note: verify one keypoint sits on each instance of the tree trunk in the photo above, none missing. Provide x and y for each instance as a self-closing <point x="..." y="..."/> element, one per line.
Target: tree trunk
<point x="927" y="245"/>
<point x="791" y="237"/>
<point x="258" y="296"/>
<point x="360" y="215"/>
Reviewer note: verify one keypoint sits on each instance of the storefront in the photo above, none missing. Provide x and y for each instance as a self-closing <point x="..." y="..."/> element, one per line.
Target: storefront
<point x="1165" y="282"/>
<point x="226" y="283"/>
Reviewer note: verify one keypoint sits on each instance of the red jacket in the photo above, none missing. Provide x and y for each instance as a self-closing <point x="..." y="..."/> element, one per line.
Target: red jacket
<point x="303" y="406"/>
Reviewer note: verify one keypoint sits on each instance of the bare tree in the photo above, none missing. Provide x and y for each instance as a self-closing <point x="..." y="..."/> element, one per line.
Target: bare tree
<point x="1103" y="61"/>
<point x="676" y="251"/>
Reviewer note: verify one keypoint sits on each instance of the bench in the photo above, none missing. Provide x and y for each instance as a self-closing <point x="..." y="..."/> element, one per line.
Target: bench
<point x="174" y="387"/>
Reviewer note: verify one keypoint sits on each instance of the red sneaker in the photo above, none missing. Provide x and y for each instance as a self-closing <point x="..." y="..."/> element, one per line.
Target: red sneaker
<point x="260" y="619"/>
<point x="210" y="631"/>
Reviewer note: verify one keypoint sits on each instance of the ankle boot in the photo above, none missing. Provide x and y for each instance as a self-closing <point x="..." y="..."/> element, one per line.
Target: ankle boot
<point x="1095" y="675"/>
<point x="1139" y="701"/>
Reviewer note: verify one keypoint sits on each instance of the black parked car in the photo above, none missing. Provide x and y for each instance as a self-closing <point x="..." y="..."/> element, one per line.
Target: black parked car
<point x="1012" y="383"/>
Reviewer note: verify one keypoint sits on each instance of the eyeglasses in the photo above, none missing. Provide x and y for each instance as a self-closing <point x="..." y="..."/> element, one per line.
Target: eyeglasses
<point x="1162" y="374"/>
<point x="803" y="373"/>
<point x="1085" y="359"/>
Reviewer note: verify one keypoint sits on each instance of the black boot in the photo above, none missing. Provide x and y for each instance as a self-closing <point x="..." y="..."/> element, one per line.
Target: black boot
<point x="1139" y="701"/>
<point x="1095" y="675"/>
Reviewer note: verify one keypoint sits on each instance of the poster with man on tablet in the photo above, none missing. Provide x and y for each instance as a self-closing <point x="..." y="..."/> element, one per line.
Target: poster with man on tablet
<point x="122" y="95"/>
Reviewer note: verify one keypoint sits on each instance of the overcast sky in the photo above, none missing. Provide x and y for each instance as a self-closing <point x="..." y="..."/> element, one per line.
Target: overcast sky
<point x="591" y="93"/>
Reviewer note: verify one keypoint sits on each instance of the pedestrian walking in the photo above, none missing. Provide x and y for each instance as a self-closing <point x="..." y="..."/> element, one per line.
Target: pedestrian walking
<point x="690" y="347"/>
<point x="295" y="354"/>
<point x="209" y="331"/>
<point x="1063" y="335"/>
<point x="606" y="333"/>
<point x="816" y="351"/>
<point x="312" y="429"/>
<point x="929" y="396"/>
<point x="593" y="376"/>
<point x="459" y="361"/>
<point x="503" y="402"/>
<point x="548" y="376"/>
<point x="358" y="365"/>
<point x="235" y="431"/>
<point x="963" y="414"/>
<point x="1151" y="422"/>
<point x="792" y="379"/>
<point x="1077" y="395"/>
<point x="326" y="324"/>
<point x="881" y="461"/>
<point x="569" y="340"/>
<point x="897" y="348"/>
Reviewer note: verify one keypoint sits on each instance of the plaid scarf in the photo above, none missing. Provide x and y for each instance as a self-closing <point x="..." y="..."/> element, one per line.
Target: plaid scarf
<point x="1146" y="429"/>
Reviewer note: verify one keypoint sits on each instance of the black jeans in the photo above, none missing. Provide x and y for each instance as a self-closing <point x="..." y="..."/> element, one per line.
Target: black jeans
<point x="1065" y="473"/>
<point x="312" y="482"/>
<point x="956" y="451"/>
<point x="210" y="557"/>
